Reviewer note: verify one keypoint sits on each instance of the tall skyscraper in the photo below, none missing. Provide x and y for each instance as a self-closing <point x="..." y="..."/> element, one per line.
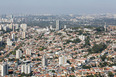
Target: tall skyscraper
<point x="4" y="69"/>
<point x="1" y="40"/>
<point x="11" y="18"/>
<point x="44" y="61"/>
<point x="51" y="27"/>
<point x="57" y="25"/>
<point x="18" y="53"/>
<point x="82" y="37"/>
<point x="16" y="26"/>
<point x="23" y="34"/>
<point x="13" y="28"/>
<point x="9" y="42"/>
<point x="28" y="51"/>
<point x="0" y="27"/>
<point x="24" y="27"/>
<point x="65" y="26"/>
<point x="105" y="28"/>
<point x="62" y="60"/>
<point x="13" y="37"/>
<point x="26" y="68"/>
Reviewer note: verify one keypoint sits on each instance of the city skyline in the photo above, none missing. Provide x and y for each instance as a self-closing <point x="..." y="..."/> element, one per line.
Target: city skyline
<point x="58" y="45"/>
<point x="57" y="7"/>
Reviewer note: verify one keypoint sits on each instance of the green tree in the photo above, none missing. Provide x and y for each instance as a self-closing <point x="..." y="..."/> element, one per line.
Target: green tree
<point x="103" y="57"/>
<point x="87" y="41"/>
<point x="110" y="74"/>
<point x="69" y="62"/>
<point x="98" y="48"/>
<point x="114" y="49"/>
<point x="72" y="76"/>
<point x="86" y="67"/>
<point x="72" y="69"/>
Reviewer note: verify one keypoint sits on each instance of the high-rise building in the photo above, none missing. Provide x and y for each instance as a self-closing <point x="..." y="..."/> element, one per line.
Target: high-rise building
<point x="51" y="27"/>
<point x="62" y="60"/>
<point x="28" y="51"/>
<point x="0" y="27"/>
<point x="82" y="37"/>
<point x="9" y="42"/>
<point x="5" y="28"/>
<point x="1" y="40"/>
<point x="26" y="68"/>
<point x="18" y="53"/>
<point x="16" y="26"/>
<point x="65" y="26"/>
<point x="13" y="37"/>
<point x="57" y="25"/>
<point x="4" y="69"/>
<point x="10" y="26"/>
<point x="44" y="61"/>
<point x="13" y="28"/>
<point x="23" y="34"/>
<point x="23" y="26"/>
<point x="11" y="18"/>
<point x="105" y="28"/>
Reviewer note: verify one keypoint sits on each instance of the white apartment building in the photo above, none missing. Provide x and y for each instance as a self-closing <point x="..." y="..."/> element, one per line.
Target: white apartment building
<point x="26" y="68"/>
<point x="18" y="53"/>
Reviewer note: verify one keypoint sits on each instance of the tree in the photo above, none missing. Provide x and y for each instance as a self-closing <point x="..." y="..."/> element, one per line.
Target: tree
<point x="86" y="67"/>
<point x="41" y="49"/>
<point x="87" y="41"/>
<point x="114" y="49"/>
<point x="71" y="76"/>
<point x="80" y="32"/>
<point x="103" y="64"/>
<point x="103" y="57"/>
<point x="72" y="69"/>
<point x="110" y="74"/>
<point x="74" y="41"/>
<point x="69" y="62"/>
<point x="53" y="71"/>
<point x="38" y="54"/>
<point x="98" y="48"/>
<point x="14" y="52"/>
<point x="99" y="29"/>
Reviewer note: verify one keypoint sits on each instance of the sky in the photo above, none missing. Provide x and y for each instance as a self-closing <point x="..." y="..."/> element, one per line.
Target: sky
<point x="57" y="6"/>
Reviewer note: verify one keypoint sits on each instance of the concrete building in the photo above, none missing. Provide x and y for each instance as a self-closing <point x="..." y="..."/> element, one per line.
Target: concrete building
<point x="4" y="69"/>
<point x="18" y="53"/>
<point x="10" y="26"/>
<point x="44" y="61"/>
<point x="13" y="37"/>
<point x="65" y="26"/>
<point x="105" y="28"/>
<point x="51" y="28"/>
<point x="5" y="28"/>
<point x="23" y="34"/>
<point x="0" y="27"/>
<point x="13" y="28"/>
<point x="26" y="68"/>
<point x="28" y="51"/>
<point x="82" y="37"/>
<point x="23" y="26"/>
<point x="62" y="60"/>
<point x="9" y="42"/>
<point x="16" y="26"/>
<point x="57" y="25"/>
<point x="1" y="40"/>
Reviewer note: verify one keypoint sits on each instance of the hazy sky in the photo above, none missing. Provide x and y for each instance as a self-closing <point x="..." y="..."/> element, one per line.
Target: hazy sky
<point x="57" y="6"/>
